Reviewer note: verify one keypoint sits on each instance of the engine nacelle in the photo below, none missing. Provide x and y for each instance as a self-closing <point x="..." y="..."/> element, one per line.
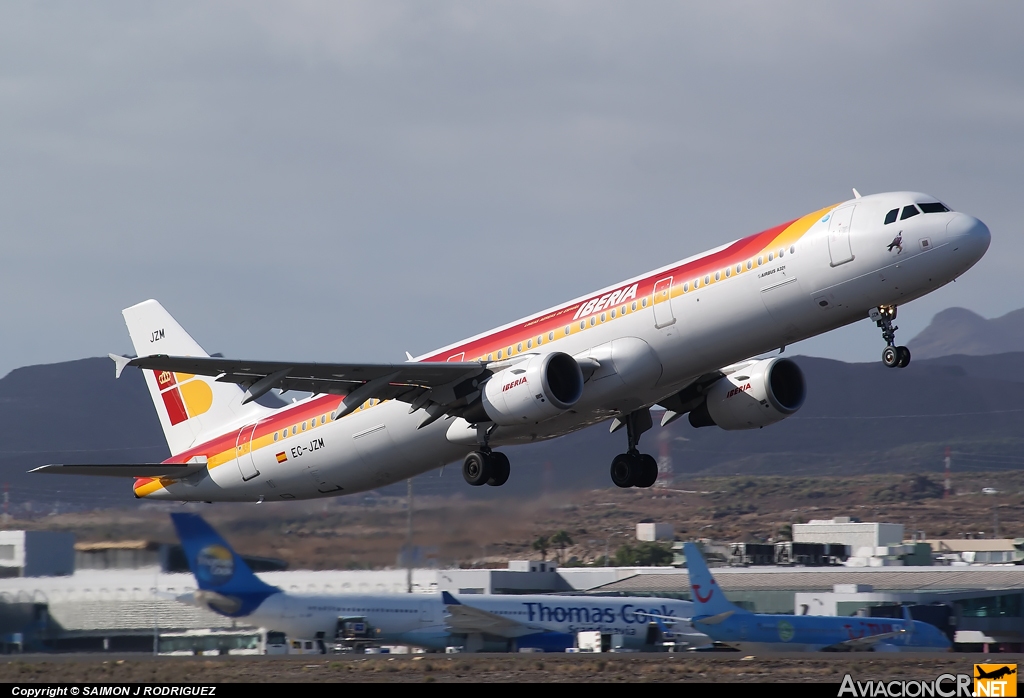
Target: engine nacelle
<point x="529" y="391"/>
<point x="764" y="393"/>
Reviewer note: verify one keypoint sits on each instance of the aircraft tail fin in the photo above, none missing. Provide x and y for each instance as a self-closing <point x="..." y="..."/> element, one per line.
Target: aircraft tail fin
<point x="191" y="408"/>
<point x="708" y="598"/>
<point x="225" y="581"/>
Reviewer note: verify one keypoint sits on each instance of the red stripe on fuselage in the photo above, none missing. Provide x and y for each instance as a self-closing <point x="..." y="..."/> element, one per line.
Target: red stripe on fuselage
<point x="554" y="319"/>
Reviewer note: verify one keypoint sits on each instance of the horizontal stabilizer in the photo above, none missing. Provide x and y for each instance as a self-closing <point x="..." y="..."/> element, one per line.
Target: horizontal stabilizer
<point x="175" y="470"/>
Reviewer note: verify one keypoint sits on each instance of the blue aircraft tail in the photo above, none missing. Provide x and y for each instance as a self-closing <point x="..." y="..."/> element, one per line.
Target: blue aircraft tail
<point x="708" y="599"/>
<point x="229" y="583"/>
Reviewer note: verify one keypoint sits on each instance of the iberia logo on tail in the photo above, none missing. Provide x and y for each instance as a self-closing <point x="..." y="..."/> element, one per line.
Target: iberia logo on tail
<point x="183" y="394"/>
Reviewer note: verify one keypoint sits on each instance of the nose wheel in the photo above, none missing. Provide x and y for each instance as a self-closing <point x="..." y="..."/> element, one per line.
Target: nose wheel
<point x="895" y="357"/>
<point x="892" y="356"/>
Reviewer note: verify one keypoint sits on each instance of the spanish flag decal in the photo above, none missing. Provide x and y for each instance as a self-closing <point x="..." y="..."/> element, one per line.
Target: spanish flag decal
<point x="281" y="457"/>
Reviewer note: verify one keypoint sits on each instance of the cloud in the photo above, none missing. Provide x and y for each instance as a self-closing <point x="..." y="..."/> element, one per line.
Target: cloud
<point x="351" y="180"/>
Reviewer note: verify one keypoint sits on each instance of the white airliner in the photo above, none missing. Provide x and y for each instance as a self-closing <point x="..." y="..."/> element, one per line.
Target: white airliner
<point x="434" y="621"/>
<point x="678" y="337"/>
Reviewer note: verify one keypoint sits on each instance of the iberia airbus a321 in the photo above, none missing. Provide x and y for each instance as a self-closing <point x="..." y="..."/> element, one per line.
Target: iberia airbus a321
<point x="679" y="337"/>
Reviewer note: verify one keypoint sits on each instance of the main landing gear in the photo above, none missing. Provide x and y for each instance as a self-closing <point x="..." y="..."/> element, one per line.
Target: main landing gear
<point x="892" y="356"/>
<point x="634" y="469"/>
<point x="486" y="467"/>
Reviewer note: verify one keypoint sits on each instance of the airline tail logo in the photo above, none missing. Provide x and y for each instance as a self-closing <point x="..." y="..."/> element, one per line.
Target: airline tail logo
<point x="184" y="395"/>
<point x="215" y="565"/>
<point x="995" y="680"/>
<point x="711" y="591"/>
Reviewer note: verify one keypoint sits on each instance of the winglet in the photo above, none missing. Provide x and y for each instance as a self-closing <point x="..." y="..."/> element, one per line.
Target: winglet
<point x="119" y="363"/>
<point x="409" y="356"/>
<point x="449" y="600"/>
<point x="856" y="194"/>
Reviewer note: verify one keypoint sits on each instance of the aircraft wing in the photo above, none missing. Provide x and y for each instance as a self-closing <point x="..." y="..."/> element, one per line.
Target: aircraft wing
<point x="467" y="619"/>
<point x="438" y="388"/>
<point x="175" y="470"/>
<point x="861" y="644"/>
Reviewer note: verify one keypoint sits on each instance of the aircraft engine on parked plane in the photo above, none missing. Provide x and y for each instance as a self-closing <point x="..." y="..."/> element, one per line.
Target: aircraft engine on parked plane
<point x="533" y="390"/>
<point x="766" y="392"/>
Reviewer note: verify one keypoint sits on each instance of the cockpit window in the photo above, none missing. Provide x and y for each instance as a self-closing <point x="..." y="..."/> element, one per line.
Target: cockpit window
<point x="909" y="212"/>
<point x="891" y="216"/>
<point x="933" y="207"/>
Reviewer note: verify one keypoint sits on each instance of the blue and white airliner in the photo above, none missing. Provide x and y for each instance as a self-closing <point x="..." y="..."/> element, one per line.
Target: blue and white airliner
<point x="481" y="622"/>
<point x="728" y="624"/>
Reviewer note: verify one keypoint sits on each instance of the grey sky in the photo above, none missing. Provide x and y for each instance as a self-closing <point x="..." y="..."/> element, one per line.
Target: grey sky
<point x="347" y="181"/>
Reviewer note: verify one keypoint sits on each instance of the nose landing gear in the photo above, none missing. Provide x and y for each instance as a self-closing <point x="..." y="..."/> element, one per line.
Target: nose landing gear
<point x="892" y="356"/>
<point x="634" y="469"/>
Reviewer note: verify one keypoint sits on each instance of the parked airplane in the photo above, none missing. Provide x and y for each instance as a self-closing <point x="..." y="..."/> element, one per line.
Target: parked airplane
<point x="480" y="622"/>
<point x="726" y="623"/>
<point x="677" y="337"/>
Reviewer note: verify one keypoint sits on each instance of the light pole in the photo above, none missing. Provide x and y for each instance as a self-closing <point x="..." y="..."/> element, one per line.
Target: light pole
<point x="606" y="544"/>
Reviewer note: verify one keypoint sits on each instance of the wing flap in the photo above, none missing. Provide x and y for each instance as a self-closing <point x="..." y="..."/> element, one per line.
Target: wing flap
<point x="175" y="470"/>
<point x="450" y="384"/>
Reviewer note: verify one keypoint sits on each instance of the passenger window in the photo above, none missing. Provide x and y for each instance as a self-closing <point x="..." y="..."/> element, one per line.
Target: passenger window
<point x="739" y="267"/>
<point x="276" y="435"/>
<point x="633" y="306"/>
<point x="519" y="347"/>
<point x="294" y="430"/>
<point x="781" y="253"/>
<point x="760" y="261"/>
<point x="792" y="249"/>
<point x="891" y="216"/>
<point x="567" y="330"/>
<point x="613" y="312"/>
<point x="771" y="256"/>
<point x="593" y="320"/>
<point x="909" y="212"/>
<point x="749" y="264"/>
<point x="499" y="353"/>
<point x="707" y="280"/>
<point x="489" y="357"/>
<point x="686" y="287"/>
<point x="718" y="276"/>
<point x="602" y="317"/>
<point x="728" y="272"/>
<point x="622" y="311"/>
<point x="323" y="419"/>
<point x="303" y="426"/>
<point x="933" y="207"/>
<point x="509" y="352"/>
<point x="529" y="344"/>
<point x="644" y="304"/>
<point x="551" y="335"/>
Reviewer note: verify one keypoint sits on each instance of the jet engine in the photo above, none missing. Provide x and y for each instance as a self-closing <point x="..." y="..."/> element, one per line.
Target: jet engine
<point x="529" y="391"/>
<point x="765" y="392"/>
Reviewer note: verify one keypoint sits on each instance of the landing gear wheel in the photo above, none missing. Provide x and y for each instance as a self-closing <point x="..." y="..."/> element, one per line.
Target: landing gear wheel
<point x="476" y="469"/>
<point x="624" y="470"/>
<point x="500" y="469"/>
<point x="903" y="357"/>
<point x="648" y="471"/>
<point x="890" y="357"/>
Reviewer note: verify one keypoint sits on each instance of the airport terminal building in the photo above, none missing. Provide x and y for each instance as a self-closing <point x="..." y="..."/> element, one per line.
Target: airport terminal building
<point x="121" y="596"/>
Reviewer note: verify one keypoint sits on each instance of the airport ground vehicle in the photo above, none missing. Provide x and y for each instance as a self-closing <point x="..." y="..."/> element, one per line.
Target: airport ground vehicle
<point x="680" y="337"/>
<point x="222" y="642"/>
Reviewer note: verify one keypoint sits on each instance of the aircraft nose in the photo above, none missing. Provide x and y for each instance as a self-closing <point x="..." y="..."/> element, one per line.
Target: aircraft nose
<point x="968" y="234"/>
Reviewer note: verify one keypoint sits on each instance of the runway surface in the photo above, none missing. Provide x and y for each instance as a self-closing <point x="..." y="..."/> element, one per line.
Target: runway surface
<point x="487" y="668"/>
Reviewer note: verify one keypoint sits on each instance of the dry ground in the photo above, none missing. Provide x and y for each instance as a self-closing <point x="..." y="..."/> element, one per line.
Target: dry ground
<point x="348" y="533"/>
<point x="549" y="668"/>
